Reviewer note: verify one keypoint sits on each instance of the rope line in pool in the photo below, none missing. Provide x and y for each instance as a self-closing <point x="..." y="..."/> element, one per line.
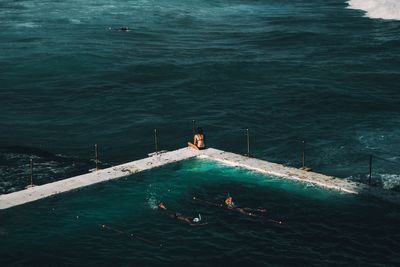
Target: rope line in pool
<point x="130" y="235"/>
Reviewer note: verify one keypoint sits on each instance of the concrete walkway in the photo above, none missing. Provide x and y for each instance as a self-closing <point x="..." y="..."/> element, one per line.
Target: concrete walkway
<point x="46" y="190"/>
<point x="43" y="191"/>
<point x="262" y="166"/>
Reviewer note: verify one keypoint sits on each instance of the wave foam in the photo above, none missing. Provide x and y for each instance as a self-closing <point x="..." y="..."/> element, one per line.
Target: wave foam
<point x="75" y="21"/>
<point x="378" y="9"/>
<point x="390" y="181"/>
<point x="27" y="25"/>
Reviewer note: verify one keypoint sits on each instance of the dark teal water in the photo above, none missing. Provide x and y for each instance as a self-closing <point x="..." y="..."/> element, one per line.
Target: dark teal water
<point x="321" y="228"/>
<point x="286" y="70"/>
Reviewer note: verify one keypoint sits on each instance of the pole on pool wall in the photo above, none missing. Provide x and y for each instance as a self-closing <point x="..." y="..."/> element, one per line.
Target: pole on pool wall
<point x="303" y="156"/>
<point x="155" y="140"/>
<point x="96" y="156"/>
<point x="31" y="171"/>
<point x="248" y="142"/>
<point x="194" y="127"/>
<point x="370" y="170"/>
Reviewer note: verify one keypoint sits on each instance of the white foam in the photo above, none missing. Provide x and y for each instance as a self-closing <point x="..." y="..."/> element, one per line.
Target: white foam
<point x="389" y="181"/>
<point x="152" y="202"/>
<point x="75" y="21"/>
<point x="27" y="25"/>
<point x="378" y="9"/>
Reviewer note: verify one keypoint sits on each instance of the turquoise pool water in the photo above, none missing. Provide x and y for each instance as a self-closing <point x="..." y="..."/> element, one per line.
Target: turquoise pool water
<point x="321" y="227"/>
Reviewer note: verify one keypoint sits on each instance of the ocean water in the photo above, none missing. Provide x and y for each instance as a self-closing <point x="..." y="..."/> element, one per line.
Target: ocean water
<point x="320" y="227"/>
<point x="319" y="71"/>
<point x="323" y="71"/>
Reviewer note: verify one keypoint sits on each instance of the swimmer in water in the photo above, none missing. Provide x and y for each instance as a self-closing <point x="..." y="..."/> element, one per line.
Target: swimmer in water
<point x="121" y="29"/>
<point x="229" y="202"/>
<point x="179" y="216"/>
<point x="162" y="206"/>
<point x="124" y="29"/>
<point x="246" y="211"/>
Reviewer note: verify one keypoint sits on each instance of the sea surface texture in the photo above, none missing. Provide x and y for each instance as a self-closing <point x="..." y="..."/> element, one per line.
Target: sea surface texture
<point x="326" y="72"/>
<point x="323" y="72"/>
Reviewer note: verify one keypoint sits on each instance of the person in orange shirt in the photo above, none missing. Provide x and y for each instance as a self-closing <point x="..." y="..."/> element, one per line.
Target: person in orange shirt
<point x="229" y="202"/>
<point x="246" y="211"/>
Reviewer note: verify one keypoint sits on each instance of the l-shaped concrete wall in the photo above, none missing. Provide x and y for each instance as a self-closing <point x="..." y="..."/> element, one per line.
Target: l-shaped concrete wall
<point x="158" y="160"/>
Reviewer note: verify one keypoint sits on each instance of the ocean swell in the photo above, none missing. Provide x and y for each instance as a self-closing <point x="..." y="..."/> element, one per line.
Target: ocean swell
<point x="378" y="9"/>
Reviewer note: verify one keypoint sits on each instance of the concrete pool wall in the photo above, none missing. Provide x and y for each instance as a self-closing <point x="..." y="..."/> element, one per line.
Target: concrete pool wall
<point x="161" y="159"/>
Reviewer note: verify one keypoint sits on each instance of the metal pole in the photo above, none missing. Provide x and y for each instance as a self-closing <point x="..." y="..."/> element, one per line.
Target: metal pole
<point x="96" y="156"/>
<point x="194" y="127"/>
<point x="248" y="142"/>
<point x="370" y="169"/>
<point x="155" y="140"/>
<point x="31" y="170"/>
<point x="303" y="157"/>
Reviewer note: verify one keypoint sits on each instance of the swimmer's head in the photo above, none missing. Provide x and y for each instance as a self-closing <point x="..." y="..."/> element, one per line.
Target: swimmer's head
<point x="197" y="220"/>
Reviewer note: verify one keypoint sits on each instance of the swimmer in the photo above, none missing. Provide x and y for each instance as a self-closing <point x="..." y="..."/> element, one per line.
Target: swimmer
<point x="230" y="205"/>
<point x="124" y="29"/>
<point x="162" y="206"/>
<point x="188" y="219"/>
<point x="176" y="215"/>
<point x="121" y="29"/>
<point x="229" y="202"/>
<point x="246" y="211"/>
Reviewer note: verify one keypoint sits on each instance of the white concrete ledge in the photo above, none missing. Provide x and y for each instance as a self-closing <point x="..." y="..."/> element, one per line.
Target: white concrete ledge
<point x="158" y="160"/>
<point x="262" y="166"/>
<point x="43" y="191"/>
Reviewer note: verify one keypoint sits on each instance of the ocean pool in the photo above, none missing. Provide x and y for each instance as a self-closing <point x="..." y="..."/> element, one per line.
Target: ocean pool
<point x="320" y="227"/>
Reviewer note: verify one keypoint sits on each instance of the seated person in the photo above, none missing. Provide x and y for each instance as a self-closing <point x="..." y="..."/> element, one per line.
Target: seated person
<point x="198" y="140"/>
